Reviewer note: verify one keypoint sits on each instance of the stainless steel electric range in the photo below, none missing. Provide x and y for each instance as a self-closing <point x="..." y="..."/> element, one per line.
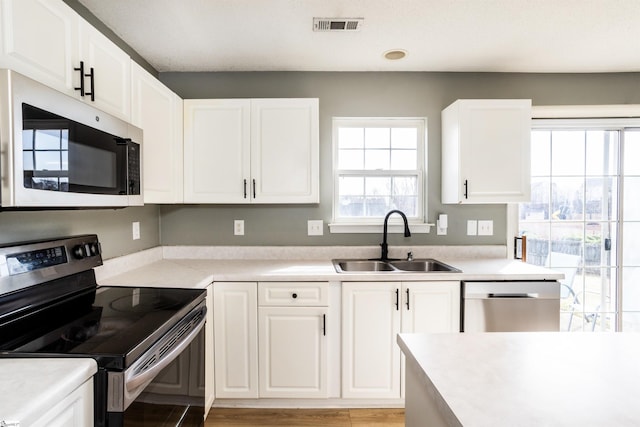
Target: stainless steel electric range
<point x="148" y="342"/>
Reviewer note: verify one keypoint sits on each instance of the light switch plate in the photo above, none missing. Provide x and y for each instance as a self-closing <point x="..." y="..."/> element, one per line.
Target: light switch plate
<point x="135" y="230"/>
<point x="485" y="228"/>
<point x="315" y="227"/>
<point x="472" y="227"/>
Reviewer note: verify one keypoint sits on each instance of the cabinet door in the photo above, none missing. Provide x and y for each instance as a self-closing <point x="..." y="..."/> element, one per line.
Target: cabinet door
<point x="216" y="151"/>
<point x="236" y="339"/>
<point x="486" y="151"/>
<point x="74" y="410"/>
<point x="39" y="40"/>
<point x="430" y="307"/>
<point x="112" y="71"/>
<point x="158" y="111"/>
<point x="284" y="151"/>
<point x="371" y="357"/>
<point x="293" y="352"/>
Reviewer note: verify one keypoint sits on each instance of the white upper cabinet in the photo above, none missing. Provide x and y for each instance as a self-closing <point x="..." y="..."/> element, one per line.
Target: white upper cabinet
<point x="486" y="151"/>
<point x="47" y="41"/>
<point x="111" y="79"/>
<point x="217" y="144"/>
<point x="158" y="112"/>
<point x="251" y="151"/>
<point x="284" y="150"/>
<point x="39" y="40"/>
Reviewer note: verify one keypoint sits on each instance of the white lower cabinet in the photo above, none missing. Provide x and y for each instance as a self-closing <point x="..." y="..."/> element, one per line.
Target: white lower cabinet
<point x="74" y="410"/>
<point x="235" y="324"/>
<point x="373" y="313"/>
<point x="292" y="320"/>
<point x="272" y="340"/>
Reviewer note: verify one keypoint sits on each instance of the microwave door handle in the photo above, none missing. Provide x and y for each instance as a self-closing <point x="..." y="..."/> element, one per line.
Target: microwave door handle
<point x="142" y="379"/>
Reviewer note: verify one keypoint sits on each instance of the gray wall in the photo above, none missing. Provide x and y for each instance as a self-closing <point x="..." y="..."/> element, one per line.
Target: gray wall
<point x="370" y="94"/>
<point x="113" y="227"/>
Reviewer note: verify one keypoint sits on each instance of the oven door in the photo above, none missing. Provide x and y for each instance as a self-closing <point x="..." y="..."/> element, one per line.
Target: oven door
<point x="165" y="386"/>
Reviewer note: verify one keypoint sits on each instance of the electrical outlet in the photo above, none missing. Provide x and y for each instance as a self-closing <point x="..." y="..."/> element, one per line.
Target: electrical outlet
<point x="238" y="227"/>
<point x="485" y="228"/>
<point x="135" y="230"/>
<point x="315" y="227"/>
<point x="472" y="227"/>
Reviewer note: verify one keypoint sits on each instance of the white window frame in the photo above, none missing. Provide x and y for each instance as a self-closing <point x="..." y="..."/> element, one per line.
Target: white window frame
<point x="417" y="224"/>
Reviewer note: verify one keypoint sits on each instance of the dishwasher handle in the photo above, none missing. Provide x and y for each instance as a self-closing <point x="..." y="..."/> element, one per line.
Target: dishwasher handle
<point x="513" y="295"/>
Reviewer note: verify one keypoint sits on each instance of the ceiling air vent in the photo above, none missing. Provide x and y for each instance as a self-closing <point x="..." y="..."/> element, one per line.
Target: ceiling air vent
<point x="337" y="24"/>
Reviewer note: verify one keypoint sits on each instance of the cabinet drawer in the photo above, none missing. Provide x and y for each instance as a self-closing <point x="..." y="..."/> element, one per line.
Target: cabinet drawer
<point x="298" y="294"/>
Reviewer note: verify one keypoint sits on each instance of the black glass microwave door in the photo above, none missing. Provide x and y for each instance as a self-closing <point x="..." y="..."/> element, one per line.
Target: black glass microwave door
<point x="62" y="155"/>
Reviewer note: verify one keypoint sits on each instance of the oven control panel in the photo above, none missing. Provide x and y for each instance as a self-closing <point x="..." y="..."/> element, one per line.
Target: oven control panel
<point x="28" y="263"/>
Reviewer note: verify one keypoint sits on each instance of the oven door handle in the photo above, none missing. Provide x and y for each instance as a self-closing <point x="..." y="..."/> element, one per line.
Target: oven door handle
<point x="142" y="379"/>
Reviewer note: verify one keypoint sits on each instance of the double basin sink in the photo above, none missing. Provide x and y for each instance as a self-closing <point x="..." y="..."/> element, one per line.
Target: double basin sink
<point x="392" y="266"/>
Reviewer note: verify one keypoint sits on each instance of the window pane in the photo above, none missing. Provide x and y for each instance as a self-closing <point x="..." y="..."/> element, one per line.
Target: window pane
<point x="27" y="139"/>
<point x="540" y="153"/>
<point x="631" y="292"/>
<point x="567" y="153"/>
<point x="404" y="159"/>
<point x="631" y="245"/>
<point x="47" y="139"/>
<point x="349" y="186"/>
<point x="377" y="206"/>
<point x="599" y="198"/>
<point x="351" y="138"/>
<point x="407" y="204"/>
<point x="27" y="160"/>
<point x="632" y="153"/>
<point x="405" y="186"/>
<point x="566" y="198"/>
<point x="378" y="186"/>
<point x="48" y="161"/>
<point x="404" y="138"/>
<point x="377" y="138"/>
<point x="377" y="159"/>
<point x="351" y="206"/>
<point x="602" y="152"/>
<point x="351" y="159"/>
<point x="538" y="208"/>
<point x="632" y="198"/>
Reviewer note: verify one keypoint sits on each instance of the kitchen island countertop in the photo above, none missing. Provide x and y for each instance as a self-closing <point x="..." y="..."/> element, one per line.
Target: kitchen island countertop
<point x="30" y="387"/>
<point x="522" y="379"/>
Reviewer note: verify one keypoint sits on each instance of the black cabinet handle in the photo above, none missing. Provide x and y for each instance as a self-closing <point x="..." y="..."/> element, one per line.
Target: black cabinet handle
<point x="254" y="188"/>
<point x="407" y="298"/>
<point x="324" y="325"/>
<point x="92" y="93"/>
<point x="245" y="188"/>
<point x="466" y="189"/>
<point x="294" y="295"/>
<point x="81" y="70"/>
<point x="397" y="299"/>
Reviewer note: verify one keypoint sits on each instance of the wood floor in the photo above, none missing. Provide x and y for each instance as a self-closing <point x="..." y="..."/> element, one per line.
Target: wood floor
<point x="222" y="417"/>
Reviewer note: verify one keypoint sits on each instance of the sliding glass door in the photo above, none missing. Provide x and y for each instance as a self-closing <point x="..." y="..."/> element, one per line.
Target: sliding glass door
<point x="583" y="197"/>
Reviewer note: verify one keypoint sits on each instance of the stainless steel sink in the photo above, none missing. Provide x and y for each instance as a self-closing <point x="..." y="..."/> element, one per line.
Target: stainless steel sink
<point x="423" y="265"/>
<point x="361" y="265"/>
<point x="377" y="266"/>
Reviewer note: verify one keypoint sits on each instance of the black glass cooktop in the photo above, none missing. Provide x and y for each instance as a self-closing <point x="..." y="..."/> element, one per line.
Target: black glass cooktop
<point x="114" y="328"/>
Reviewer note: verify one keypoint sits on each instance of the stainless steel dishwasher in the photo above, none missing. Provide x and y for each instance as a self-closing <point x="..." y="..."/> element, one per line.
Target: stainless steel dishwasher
<point x="511" y="306"/>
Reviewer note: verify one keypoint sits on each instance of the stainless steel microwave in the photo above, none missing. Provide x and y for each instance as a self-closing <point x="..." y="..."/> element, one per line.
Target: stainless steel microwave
<point x="57" y="151"/>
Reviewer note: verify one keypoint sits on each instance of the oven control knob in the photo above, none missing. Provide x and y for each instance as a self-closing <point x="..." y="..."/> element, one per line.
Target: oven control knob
<point x="78" y="252"/>
<point x="94" y="249"/>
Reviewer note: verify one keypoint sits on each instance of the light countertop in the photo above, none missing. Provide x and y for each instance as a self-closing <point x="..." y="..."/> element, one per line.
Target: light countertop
<point x="30" y="387"/>
<point x="530" y="379"/>
<point x="198" y="273"/>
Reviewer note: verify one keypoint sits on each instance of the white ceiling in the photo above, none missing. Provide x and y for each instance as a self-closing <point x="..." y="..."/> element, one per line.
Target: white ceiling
<point x="439" y="35"/>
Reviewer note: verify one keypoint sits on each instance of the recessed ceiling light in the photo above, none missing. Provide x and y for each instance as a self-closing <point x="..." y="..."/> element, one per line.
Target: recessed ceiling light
<point x="395" y="54"/>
